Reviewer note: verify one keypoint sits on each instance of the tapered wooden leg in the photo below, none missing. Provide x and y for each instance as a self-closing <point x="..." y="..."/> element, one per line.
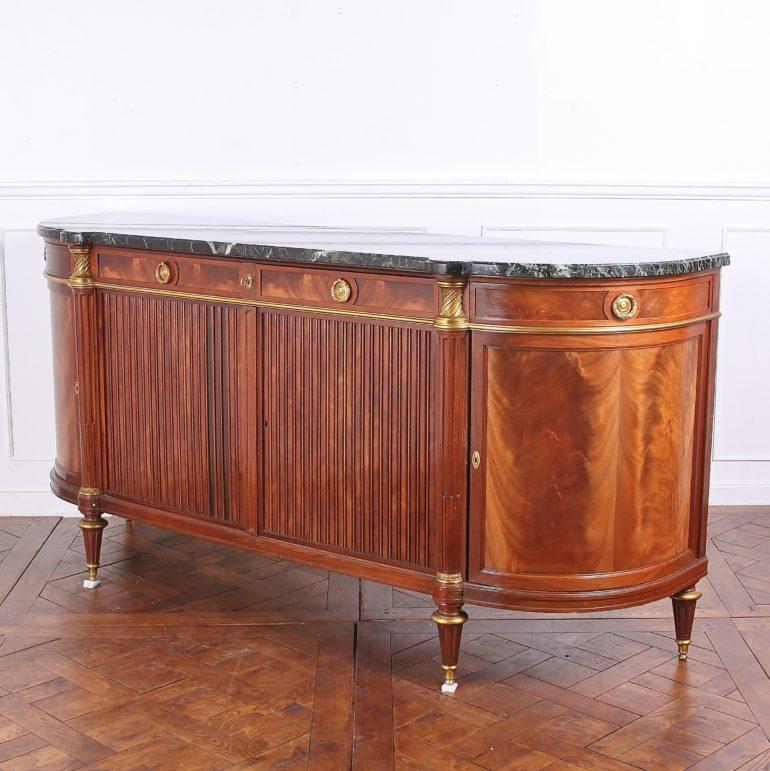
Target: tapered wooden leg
<point x="92" y="526"/>
<point x="449" y="617"/>
<point x="684" y="615"/>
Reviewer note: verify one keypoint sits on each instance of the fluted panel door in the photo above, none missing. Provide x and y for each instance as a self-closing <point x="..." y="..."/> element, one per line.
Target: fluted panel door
<point x="347" y="421"/>
<point x="174" y="371"/>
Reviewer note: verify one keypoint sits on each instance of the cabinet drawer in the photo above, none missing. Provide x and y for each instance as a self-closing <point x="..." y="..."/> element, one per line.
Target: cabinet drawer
<point x="400" y="296"/>
<point x="161" y="270"/>
<point x="392" y="295"/>
<point x="591" y="302"/>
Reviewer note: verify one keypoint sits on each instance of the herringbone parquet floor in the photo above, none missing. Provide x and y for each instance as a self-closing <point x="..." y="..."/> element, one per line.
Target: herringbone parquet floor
<point x="192" y="655"/>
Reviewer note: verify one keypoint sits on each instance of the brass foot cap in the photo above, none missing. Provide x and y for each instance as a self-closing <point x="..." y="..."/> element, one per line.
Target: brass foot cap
<point x="449" y="677"/>
<point x="683" y="646"/>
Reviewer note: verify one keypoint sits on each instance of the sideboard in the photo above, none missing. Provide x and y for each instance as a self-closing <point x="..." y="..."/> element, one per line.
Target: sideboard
<point x="515" y="424"/>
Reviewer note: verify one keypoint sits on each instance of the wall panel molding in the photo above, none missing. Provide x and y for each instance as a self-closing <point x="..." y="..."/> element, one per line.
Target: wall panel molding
<point x="382" y="189"/>
<point x="631" y="235"/>
<point x="702" y="217"/>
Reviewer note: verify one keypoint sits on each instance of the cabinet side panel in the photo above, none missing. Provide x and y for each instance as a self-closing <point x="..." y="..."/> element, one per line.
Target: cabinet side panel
<point x="347" y="410"/>
<point x="63" y="343"/>
<point x="589" y="458"/>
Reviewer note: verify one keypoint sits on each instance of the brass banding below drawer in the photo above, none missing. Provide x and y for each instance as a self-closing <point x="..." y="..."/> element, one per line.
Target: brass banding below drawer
<point x="595" y="330"/>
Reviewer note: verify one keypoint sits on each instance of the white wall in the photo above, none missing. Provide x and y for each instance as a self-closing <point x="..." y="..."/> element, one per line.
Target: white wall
<point x="641" y="122"/>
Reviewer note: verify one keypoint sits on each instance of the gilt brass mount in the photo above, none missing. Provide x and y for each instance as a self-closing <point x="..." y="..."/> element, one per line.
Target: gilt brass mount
<point x="625" y="306"/>
<point x="451" y="315"/>
<point x="693" y="595"/>
<point x="449" y="578"/>
<point x="163" y="273"/>
<point x="81" y="277"/>
<point x="341" y="291"/>
<point x="92" y="524"/>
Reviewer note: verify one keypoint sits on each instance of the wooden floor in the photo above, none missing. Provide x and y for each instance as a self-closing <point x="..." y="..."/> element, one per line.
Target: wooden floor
<point x="191" y="655"/>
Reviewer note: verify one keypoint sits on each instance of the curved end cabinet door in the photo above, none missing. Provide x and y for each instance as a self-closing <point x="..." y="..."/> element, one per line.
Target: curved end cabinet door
<point x="588" y="492"/>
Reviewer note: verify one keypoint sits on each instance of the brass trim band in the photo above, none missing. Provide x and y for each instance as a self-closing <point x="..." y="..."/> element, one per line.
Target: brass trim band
<point x="603" y="330"/>
<point x="438" y="322"/>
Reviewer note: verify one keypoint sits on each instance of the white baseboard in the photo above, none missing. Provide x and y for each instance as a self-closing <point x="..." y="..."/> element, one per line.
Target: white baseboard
<point x="740" y="495"/>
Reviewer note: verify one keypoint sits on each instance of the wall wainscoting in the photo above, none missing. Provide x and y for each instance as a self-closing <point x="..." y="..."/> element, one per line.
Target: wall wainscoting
<point x="707" y="218"/>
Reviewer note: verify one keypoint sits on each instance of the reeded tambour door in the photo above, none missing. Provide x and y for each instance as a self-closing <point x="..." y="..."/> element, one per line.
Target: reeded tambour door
<point x="348" y="409"/>
<point x="590" y="448"/>
<point x="181" y="401"/>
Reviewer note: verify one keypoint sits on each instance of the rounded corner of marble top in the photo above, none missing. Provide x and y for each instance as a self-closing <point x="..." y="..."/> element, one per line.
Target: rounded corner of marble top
<point x="598" y="270"/>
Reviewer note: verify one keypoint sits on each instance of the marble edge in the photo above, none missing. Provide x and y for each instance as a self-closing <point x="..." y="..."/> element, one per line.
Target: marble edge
<point x="296" y="254"/>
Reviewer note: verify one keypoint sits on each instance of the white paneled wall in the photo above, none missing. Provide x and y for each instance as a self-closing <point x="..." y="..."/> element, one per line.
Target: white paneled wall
<point x="382" y="107"/>
<point x="707" y="219"/>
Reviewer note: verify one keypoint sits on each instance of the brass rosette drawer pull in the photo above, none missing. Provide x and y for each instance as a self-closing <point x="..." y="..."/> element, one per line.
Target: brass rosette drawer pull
<point x="163" y="273"/>
<point x="341" y="291"/>
<point x="625" y="306"/>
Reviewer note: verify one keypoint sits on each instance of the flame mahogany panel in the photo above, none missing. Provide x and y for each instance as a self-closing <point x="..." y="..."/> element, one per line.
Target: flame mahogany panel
<point x="348" y="420"/>
<point x="398" y="295"/>
<point x="589" y="302"/>
<point x="196" y="276"/>
<point x="594" y="476"/>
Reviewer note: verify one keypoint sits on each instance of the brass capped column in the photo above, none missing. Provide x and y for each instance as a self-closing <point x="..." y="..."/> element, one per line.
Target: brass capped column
<point x="81" y="283"/>
<point x="451" y="470"/>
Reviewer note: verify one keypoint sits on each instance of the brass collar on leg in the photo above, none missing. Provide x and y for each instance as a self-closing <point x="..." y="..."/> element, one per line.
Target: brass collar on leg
<point x="92" y="524"/>
<point x="460" y="618"/>
<point x="449" y="578"/>
<point x="688" y="595"/>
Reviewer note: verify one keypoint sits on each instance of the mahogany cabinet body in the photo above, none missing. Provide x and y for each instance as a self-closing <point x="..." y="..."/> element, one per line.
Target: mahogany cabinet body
<point x="505" y="442"/>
